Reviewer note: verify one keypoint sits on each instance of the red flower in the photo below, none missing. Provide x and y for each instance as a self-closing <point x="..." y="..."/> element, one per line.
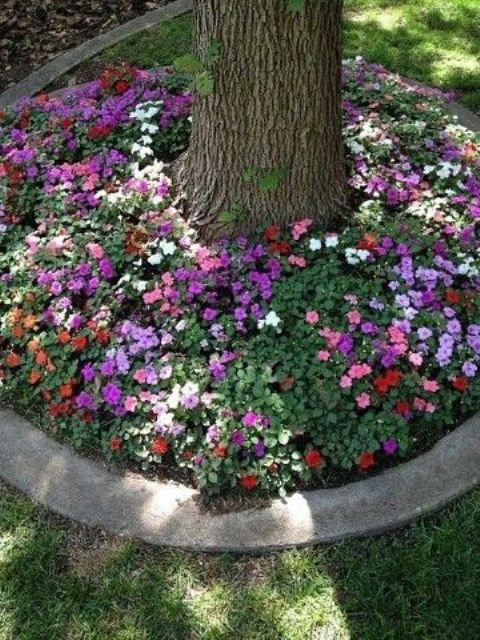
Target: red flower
<point x="384" y="383"/>
<point x="98" y="131"/>
<point x="402" y="407"/>
<point x="279" y="247"/>
<point x="159" y="446"/>
<point x="115" y="443"/>
<point x="460" y="383"/>
<point x="314" y="459"/>
<point x="365" y="461"/>
<point x="368" y="242"/>
<point x="249" y="482"/>
<point x="79" y="343"/>
<point x="220" y="452"/>
<point x="271" y="233"/>
<point x="102" y="336"/>
<point x="452" y="296"/>
<point x="66" y="123"/>
<point x="121" y="86"/>
<point x="63" y="337"/>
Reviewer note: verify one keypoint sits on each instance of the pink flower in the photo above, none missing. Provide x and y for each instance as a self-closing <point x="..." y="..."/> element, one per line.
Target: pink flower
<point x="167" y="279"/>
<point x="152" y="296"/>
<point x="140" y="376"/>
<point x="354" y="317"/>
<point x="416" y="359"/>
<point x="345" y="382"/>
<point x="363" y="400"/>
<point x="323" y="356"/>
<point x="301" y="227"/>
<point x="350" y="298"/>
<point x="431" y="385"/>
<point x="297" y="261"/>
<point x="396" y="335"/>
<point x="419" y="404"/>
<point x="312" y="317"/>
<point x="95" y="250"/>
<point x="130" y="403"/>
<point x="430" y="408"/>
<point x="358" y="371"/>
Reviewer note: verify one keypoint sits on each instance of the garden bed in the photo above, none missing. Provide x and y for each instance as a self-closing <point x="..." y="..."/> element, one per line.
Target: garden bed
<point x="268" y="362"/>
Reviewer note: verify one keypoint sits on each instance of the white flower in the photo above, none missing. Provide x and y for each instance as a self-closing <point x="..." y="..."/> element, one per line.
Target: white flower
<point x="331" y="240"/>
<point x="315" y="244"/>
<point x="155" y="259"/>
<point x="270" y="320"/>
<point x="429" y="168"/>
<point x="168" y="248"/>
<point x="180" y="326"/>
<point x="140" y="285"/>
<point x="149" y="128"/>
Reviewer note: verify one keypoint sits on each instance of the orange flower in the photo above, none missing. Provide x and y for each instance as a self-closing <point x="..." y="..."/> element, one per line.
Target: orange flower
<point x="34" y="377"/>
<point x="79" y="343"/>
<point x="15" y="315"/>
<point x="115" y="443"/>
<point x="66" y="390"/>
<point x="220" y="452"/>
<point x="12" y="360"/>
<point x="159" y="446"/>
<point x="41" y="358"/>
<point x="63" y="337"/>
<point x="17" y="331"/>
<point x="33" y="346"/>
<point x="29" y="321"/>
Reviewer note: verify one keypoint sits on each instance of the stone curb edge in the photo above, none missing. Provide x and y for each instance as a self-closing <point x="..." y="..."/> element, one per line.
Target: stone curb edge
<point x="167" y="514"/>
<point x="41" y="78"/>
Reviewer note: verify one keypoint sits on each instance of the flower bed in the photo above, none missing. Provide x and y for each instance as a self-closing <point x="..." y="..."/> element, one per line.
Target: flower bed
<point x="259" y="362"/>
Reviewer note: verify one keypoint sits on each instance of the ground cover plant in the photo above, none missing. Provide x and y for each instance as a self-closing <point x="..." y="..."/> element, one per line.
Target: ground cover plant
<point x="263" y="361"/>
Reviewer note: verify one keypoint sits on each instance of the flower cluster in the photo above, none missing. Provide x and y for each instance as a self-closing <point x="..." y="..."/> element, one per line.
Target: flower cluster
<point x="252" y="362"/>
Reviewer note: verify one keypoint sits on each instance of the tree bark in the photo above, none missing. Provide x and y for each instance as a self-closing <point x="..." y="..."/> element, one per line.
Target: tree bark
<point x="275" y="110"/>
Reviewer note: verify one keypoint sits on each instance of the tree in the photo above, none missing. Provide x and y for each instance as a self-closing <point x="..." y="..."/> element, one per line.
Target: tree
<point x="266" y="142"/>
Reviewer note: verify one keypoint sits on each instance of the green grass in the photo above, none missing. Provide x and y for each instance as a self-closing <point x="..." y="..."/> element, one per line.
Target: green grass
<point x="436" y="42"/>
<point x="67" y="583"/>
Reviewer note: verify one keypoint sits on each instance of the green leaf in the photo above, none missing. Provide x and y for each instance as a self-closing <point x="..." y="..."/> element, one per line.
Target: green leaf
<point x="188" y="64"/>
<point x="271" y="179"/>
<point x="203" y="83"/>
<point x="296" y="6"/>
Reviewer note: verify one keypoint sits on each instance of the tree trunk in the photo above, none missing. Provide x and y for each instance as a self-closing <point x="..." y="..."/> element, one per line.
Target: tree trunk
<point x="267" y="141"/>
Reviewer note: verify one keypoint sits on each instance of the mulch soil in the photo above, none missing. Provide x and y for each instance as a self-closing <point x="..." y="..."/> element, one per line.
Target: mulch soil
<point x="32" y="32"/>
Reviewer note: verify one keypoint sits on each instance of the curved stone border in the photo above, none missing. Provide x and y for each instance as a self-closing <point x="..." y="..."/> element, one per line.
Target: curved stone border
<point x="166" y="514"/>
<point x="41" y="78"/>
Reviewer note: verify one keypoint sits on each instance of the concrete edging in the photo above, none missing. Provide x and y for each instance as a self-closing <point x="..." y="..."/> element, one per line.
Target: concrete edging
<point x="166" y="513"/>
<point x="41" y="78"/>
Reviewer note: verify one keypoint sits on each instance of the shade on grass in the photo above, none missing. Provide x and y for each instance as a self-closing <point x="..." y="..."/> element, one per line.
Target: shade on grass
<point x="59" y="581"/>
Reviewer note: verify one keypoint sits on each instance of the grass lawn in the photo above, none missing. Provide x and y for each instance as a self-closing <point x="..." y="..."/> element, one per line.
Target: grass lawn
<point x="436" y="42"/>
<point x="60" y="581"/>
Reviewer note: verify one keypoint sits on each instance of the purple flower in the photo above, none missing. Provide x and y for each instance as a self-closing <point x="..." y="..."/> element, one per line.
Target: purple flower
<point x="250" y="419"/>
<point x="111" y="394"/>
<point x="469" y="368"/>
<point x="390" y="446"/>
<point x="238" y="438"/>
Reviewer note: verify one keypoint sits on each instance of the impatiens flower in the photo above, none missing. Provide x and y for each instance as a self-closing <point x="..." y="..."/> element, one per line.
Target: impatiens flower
<point x="312" y="317"/>
<point x="345" y="382"/>
<point x="430" y="385"/>
<point x="159" y="446"/>
<point x="354" y="317"/>
<point x="365" y="461"/>
<point x="470" y="369"/>
<point x="297" y="261"/>
<point x="416" y="359"/>
<point x="130" y="403"/>
<point x="460" y="383"/>
<point x="250" y="419"/>
<point x="363" y="400"/>
<point x="331" y="240"/>
<point x="95" y="250"/>
<point x="111" y="394"/>
<point x="115" y="443"/>
<point x="314" y="244"/>
<point x="390" y="446"/>
<point x="314" y="459"/>
<point x="249" y="482"/>
<point x="323" y="356"/>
